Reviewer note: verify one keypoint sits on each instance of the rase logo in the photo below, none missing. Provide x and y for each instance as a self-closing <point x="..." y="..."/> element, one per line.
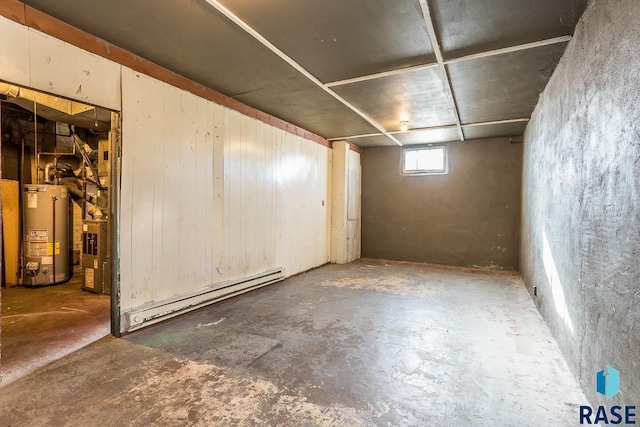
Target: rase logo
<point x="608" y="384"/>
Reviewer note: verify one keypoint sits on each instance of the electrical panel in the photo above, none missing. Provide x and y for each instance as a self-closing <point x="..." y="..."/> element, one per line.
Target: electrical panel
<point x="96" y="264"/>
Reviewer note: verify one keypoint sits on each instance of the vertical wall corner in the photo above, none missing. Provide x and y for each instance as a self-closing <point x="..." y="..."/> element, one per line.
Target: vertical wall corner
<point x="345" y="204"/>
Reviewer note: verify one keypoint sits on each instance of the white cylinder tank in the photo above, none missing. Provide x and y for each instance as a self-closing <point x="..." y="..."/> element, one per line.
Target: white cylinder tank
<point x="46" y="234"/>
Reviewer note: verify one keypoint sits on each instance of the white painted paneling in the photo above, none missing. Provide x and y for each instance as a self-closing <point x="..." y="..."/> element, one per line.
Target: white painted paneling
<point x="339" y="200"/>
<point x="14" y="52"/>
<point x="169" y="240"/>
<point x="210" y="195"/>
<point x="156" y="116"/>
<point x="354" y="182"/>
<point x="140" y="127"/>
<point x="218" y="114"/>
<point x="353" y="185"/>
<point x="353" y="240"/>
<point x="38" y="61"/>
<point x="302" y="219"/>
<point x="345" y="204"/>
<point x="60" y="68"/>
<point x="325" y="222"/>
<point x="189" y="240"/>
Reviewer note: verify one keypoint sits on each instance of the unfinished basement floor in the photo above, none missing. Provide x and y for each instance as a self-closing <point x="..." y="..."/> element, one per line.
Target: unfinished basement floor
<point x="43" y="324"/>
<point x="369" y="343"/>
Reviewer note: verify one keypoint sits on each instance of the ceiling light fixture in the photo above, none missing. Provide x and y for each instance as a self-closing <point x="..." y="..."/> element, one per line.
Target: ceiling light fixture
<point x="404" y="126"/>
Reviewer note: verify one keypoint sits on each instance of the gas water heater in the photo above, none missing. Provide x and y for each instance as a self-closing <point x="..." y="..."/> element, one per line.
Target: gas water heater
<point x="46" y="235"/>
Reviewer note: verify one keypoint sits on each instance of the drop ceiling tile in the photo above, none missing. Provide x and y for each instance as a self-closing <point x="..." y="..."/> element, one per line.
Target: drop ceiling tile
<point x="503" y="86"/>
<point x="466" y="27"/>
<point x="428" y="136"/>
<point x="337" y="39"/>
<point x="494" y="131"/>
<point x="419" y="96"/>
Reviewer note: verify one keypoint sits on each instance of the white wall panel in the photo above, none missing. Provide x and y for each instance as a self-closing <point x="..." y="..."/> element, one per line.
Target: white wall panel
<point x="218" y="114"/>
<point x="345" y="205"/>
<point x="14" y="52"/>
<point x="188" y="238"/>
<point x="210" y="195"/>
<point x="60" y="68"/>
<point x="354" y="184"/>
<point x="157" y="152"/>
<point x="170" y="123"/>
<point x="38" y="61"/>
<point x="302" y="218"/>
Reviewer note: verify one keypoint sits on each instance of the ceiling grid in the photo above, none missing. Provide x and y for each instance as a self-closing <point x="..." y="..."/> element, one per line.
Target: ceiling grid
<point x="239" y="22"/>
<point x="352" y="69"/>
<point x="443" y="68"/>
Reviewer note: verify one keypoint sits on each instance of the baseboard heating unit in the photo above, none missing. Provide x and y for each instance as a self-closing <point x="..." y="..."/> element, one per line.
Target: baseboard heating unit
<point x="146" y="316"/>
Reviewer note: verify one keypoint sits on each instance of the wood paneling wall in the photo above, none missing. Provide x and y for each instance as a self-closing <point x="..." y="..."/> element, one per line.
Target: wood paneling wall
<point x="210" y="195"/>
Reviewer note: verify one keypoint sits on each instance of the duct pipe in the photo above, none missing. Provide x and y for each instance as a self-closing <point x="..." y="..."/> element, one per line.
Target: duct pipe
<point x="73" y="186"/>
<point x="95" y="212"/>
<point x="47" y="173"/>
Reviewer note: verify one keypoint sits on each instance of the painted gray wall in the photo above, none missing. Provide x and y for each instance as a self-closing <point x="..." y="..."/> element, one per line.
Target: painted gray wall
<point x="581" y="199"/>
<point x="471" y="216"/>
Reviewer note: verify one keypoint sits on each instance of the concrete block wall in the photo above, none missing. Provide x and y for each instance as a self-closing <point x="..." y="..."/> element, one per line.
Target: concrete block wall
<point x="581" y="200"/>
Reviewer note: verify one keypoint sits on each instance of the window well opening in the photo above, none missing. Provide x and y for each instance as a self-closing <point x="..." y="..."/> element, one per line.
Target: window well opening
<point x="428" y="160"/>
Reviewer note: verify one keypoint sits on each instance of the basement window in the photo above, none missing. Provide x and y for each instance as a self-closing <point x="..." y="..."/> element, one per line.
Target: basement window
<point x="429" y="160"/>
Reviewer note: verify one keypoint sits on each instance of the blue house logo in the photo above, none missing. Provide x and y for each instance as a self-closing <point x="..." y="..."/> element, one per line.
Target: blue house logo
<point x="608" y="383"/>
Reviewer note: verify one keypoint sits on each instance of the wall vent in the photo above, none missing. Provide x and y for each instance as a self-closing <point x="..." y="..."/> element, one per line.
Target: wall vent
<point x="161" y="311"/>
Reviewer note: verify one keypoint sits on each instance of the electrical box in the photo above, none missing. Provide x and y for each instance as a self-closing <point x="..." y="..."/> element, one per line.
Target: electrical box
<point x="96" y="264"/>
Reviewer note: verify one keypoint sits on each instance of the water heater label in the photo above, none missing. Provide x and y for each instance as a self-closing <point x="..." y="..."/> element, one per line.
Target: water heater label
<point x="37" y="249"/>
<point x="46" y="260"/>
<point x="32" y="200"/>
<point x="38" y="235"/>
<point x="50" y="248"/>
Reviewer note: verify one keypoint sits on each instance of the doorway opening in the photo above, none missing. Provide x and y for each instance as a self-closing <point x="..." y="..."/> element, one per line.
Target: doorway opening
<point x="59" y="168"/>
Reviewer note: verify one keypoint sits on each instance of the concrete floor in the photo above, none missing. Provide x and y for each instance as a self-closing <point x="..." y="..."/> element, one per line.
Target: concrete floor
<point x="40" y="325"/>
<point x="369" y="343"/>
